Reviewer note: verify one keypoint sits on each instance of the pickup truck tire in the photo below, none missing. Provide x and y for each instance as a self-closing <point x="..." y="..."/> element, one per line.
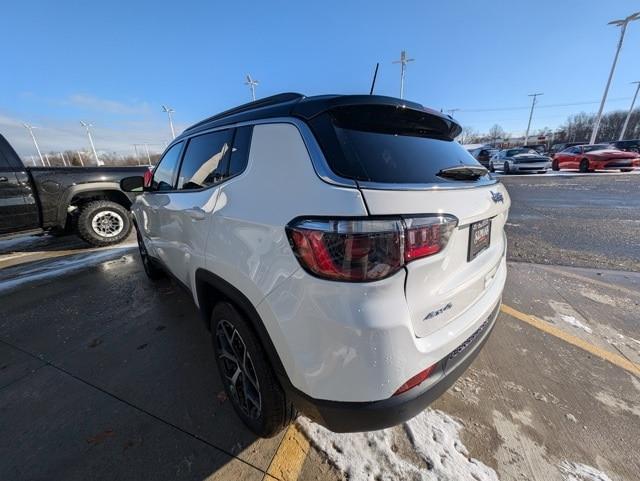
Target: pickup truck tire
<point x="247" y="375"/>
<point x="103" y="223"/>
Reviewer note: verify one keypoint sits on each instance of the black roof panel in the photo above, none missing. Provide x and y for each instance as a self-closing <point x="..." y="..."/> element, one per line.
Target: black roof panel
<point x="298" y="105"/>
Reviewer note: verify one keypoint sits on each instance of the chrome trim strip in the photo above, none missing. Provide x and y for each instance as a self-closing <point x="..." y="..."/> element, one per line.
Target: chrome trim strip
<point x="458" y="186"/>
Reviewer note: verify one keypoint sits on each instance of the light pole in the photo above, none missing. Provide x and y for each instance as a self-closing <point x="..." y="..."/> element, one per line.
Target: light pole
<point x="623" y="28"/>
<point x="170" y="111"/>
<point x="146" y="148"/>
<point x="533" y="104"/>
<point x="626" y="121"/>
<point x="93" y="147"/>
<point x="33" y="137"/>
<point x="403" y="65"/>
<point x="252" y="83"/>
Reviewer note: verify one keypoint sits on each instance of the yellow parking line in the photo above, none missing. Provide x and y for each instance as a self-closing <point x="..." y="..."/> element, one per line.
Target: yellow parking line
<point x="615" y="359"/>
<point x="289" y="458"/>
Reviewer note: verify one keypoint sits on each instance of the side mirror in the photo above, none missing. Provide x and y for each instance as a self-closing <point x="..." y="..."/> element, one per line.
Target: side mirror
<point x="132" y="184"/>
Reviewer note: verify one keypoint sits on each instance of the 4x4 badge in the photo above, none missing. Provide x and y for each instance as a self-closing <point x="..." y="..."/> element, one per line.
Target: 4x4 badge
<point x="496" y="197"/>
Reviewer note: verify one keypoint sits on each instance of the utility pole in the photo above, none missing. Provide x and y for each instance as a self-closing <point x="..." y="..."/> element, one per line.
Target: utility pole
<point x="533" y="104"/>
<point x="146" y="148"/>
<point x="33" y="137"/>
<point x="170" y="111"/>
<point x="93" y="147"/>
<point x="623" y="28"/>
<point x="626" y="121"/>
<point x="252" y="85"/>
<point x="403" y="65"/>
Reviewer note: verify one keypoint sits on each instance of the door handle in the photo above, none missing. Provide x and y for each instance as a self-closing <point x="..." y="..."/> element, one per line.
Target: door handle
<point x="4" y="179"/>
<point x="196" y="213"/>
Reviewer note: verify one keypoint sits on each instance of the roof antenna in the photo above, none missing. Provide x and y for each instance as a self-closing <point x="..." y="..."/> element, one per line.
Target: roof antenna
<point x="375" y="75"/>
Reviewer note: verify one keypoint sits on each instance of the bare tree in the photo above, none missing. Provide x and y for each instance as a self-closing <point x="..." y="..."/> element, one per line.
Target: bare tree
<point x="468" y="135"/>
<point x="496" y="133"/>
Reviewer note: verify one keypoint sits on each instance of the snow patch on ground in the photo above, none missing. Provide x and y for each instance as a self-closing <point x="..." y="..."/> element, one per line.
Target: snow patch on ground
<point x="598" y="297"/>
<point x="576" y="323"/>
<point x="21" y="242"/>
<point x="581" y="472"/>
<point x="567" y="314"/>
<point x="616" y="404"/>
<point x="13" y="277"/>
<point x="434" y="439"/>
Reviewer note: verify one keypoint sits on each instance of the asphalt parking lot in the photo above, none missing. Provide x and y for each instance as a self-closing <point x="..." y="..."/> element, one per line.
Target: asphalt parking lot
<point x="104" y="375"/>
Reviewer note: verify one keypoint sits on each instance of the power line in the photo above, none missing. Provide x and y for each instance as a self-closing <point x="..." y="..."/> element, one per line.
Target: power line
<point x="543" y="106"/>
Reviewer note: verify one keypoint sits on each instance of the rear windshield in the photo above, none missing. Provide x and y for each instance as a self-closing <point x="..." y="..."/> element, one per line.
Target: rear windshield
<point x="387" y="144"/>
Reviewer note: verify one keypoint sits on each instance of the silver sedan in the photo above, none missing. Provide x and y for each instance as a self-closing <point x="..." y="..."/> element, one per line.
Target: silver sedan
<point x="519" y="159"/>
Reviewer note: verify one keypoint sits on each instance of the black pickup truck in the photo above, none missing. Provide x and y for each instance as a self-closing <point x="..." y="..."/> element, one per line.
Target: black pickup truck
<point x="87" y="201"/>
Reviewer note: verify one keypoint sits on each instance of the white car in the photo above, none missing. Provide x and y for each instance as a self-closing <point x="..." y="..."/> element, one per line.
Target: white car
<point x="519" y="159"/>
<point x="346" y="254"/>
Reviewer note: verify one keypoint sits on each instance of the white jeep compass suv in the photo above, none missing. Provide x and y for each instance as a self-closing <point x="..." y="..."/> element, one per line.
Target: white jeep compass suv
<point x="347" y="255"/>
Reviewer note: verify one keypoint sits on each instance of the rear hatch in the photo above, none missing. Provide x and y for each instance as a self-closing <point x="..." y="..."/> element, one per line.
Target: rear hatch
<point x="406" y="165"/>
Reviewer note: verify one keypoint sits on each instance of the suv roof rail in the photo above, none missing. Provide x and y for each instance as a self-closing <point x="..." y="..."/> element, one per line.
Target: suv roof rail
<point x="256" y="104"/>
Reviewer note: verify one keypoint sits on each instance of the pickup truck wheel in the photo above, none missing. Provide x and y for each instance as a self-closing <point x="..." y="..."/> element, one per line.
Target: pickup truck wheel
<point x="103" y="223"/>
<point x="247" y="375"/>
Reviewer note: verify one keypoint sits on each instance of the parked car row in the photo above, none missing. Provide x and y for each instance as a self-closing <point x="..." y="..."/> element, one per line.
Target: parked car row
<point x="575" y="156"/>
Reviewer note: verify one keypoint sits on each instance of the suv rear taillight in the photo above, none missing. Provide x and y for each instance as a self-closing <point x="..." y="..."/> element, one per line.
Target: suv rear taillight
<point x="358" y="250"/>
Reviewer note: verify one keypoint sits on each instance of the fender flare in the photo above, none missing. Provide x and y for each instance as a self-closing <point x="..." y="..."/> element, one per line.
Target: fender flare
<point x="203" y="279"/>
<point x="73" y="190"/>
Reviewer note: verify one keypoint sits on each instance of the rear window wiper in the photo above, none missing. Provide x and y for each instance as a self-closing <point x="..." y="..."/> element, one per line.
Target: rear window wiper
<point x="463" y="172"/>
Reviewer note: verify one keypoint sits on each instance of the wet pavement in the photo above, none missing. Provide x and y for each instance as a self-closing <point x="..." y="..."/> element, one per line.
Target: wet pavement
<point x="105" y="375"/>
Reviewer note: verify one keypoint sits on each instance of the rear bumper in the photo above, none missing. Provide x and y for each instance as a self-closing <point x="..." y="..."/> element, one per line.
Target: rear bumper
<point x="368" y="416"/>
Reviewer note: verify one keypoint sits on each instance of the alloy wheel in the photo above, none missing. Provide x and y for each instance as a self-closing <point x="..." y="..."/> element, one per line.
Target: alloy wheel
<point x="107" y="223"/>
<point x="238" y="369"/>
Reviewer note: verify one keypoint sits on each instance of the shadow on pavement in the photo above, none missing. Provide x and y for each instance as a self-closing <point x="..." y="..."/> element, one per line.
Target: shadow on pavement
<point x="106" y="375"/>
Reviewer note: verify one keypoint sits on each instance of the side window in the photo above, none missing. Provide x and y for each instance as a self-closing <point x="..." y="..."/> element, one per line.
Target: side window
<point x="164" y="175"/>
<point x="206" y="160"/>
<point x="240" y="151"/>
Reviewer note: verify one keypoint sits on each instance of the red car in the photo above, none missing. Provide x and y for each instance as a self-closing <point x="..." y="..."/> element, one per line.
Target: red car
<point x="587" y="158"/>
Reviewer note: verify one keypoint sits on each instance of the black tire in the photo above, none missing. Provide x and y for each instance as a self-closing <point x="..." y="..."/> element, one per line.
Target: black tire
<point x="151" y="267"/>
<point x="505" y="168"/>
<point x="112" y="223"/>
<point x="555" y="166"/>
<point x="626" y="170"/>
<point x="584" y="166"/>
<point x="491" y="167"/>
<point x="269" y="412"/>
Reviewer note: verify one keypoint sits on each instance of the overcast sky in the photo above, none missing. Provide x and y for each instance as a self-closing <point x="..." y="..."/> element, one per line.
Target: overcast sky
<point x="114" y="63"/>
